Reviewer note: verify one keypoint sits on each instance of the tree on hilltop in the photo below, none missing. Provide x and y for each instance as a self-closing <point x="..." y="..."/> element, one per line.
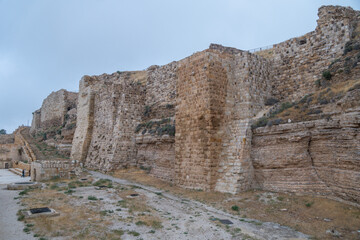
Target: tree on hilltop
<point x="2" y="131"/>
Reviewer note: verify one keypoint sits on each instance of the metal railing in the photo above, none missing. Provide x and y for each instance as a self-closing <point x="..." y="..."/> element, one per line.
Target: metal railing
<point x="261" y="48"/>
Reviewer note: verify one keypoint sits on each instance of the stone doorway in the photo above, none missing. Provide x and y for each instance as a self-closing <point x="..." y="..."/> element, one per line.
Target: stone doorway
<point x="6" y="165"/>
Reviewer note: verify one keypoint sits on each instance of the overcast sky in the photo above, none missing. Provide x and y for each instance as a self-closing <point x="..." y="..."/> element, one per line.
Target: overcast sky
<point x="46" y="45"/>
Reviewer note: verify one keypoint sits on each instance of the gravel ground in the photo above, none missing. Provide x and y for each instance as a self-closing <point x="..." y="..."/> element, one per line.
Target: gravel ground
<point x="10" y="227"/>
<point x="195" y="220"/>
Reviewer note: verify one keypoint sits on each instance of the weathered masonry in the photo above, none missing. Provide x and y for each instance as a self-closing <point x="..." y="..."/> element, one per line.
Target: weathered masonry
<point x="211" y="98"/>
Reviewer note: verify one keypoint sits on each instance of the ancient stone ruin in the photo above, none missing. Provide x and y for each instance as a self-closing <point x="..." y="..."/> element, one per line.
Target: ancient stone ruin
<point x="190" y="122"/>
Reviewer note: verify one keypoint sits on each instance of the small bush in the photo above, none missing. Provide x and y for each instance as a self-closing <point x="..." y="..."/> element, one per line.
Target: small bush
<point x="147" y="111"/>
<point x="140" y="223"/>
<point x="169" y="106"/>
<point x="139" y="127"/>
<point x="156" y="224"/>
<point x="280" y="198"/>
<point x="348" y="47"/>
<point x="323" y="101"/>
<point x="69" y="192"/>
<point x="309" y="204"/>
<point x="149" y="124"/>
<point x="327" y="75"/>
<point x="283" y="107"/>
<point x="260" y="123"/>
<point x="135" y="234"/>
<point x="118" y="232"/>
<point x="167" y="129"/>
<point x="21" y="217"/>
<point x="102" y="182"/>
<point x="24" y="192"/>
<point x="318" y="83"/>
<point x="92" y="198"/>
<point x="277" y="121"/>
<point x="271" y="101"/>
<point x="235" y="208"/>
<point x="306" y="99"/>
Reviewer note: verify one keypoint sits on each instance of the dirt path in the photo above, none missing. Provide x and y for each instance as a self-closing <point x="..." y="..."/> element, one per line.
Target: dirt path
<point x="189" y="219"/>
<point x="10" y="227"/>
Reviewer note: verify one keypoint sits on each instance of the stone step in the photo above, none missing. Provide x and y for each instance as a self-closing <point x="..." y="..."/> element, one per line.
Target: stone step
<point x="18" y="171"/>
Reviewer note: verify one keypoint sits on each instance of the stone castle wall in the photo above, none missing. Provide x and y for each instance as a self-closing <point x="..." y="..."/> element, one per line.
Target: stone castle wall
<point x="212" y="97"/>
<point x="299" y="62"/>
<point x="53" y="110"/>
<point x="219" y="90"/>
<point x="248" y="85"/>
<point x="198" y="117"/>
<point x="8" y="150"/>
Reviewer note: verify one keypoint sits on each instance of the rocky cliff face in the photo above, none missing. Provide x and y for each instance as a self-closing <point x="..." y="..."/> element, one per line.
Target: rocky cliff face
<point x="320" y="157"/>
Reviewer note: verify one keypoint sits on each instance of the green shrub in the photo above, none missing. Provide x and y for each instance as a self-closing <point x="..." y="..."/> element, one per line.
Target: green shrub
<point x="92" y="198"/>
<point x="167" y="129"/>
<point x="235" y="208"/>
<point x="147" y="111"/>
<point x="318" y="83"/>
<point x="140" y="223"/>
<point x="69" y="192"/>
<point x="348" y="47"/>
<point x="24" y="192"/>
<point x="156" y="224"/>
<point x="169" y="106"/>
<point x="139" y="127"/>
<point x="260" y="123"/>
<point x="102" y="182"/>
<point x="271" y="101"/>
<point x="134" y="233"/>
<point x="21" y="217"/>
<point x="118" y="232"/>
<point x="327" y="75"/>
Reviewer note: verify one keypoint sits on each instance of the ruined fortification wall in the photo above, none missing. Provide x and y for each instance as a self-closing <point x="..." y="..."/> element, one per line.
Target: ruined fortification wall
<point x="219" y="91"/>
<point x="53" y="109"/>
<point x="14" y="148"/>
<point x="111" y="107"/>
<point x="299" y="62"/>
<point x="8" y="150"/>
<point x="115" y="111"/>
<point x="320" y="157"/>
<point x="155" y="149"/>
<point x="198" y="116"/>
<point x="212" y="97"/>
<point x="248" y="85"/>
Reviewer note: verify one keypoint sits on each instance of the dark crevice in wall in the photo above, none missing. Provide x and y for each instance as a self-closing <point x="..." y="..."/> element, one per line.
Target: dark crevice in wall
<point x="313" y="165"/>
